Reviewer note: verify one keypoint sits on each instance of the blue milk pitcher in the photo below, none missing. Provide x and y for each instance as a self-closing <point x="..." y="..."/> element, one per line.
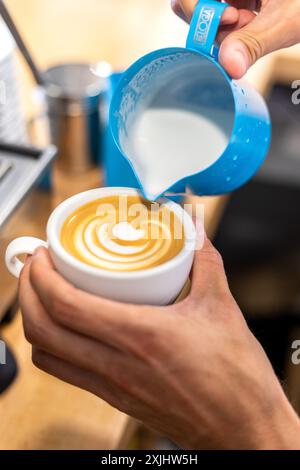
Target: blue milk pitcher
<point x="182" y="122"/>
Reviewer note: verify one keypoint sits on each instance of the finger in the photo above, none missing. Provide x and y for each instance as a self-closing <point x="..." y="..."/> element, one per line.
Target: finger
<point x="86" y="380"/>
<point x="122" y="370"/>
<point x="176" y="7"/>
<point x="112" y="322"/>
<point x="185" y="9"/>
<point x="244" y="17"/>
<point x="43" y="332"/>
<point x="73" y="374"/>
<point x="208" y="275"/>
<point x="118" y="368"/>
<point x="230" y="16"/>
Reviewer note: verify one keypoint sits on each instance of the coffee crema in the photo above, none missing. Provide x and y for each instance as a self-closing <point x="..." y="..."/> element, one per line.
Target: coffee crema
<point x="123" y="233"/>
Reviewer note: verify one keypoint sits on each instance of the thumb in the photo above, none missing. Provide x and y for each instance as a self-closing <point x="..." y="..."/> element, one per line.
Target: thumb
<point x="241" y="49"/>
<point x="208" y="275"/>
<point x="265" y="32"/>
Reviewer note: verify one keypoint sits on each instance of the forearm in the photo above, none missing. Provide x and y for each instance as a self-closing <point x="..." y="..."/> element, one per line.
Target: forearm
<point x="273" y="426"/>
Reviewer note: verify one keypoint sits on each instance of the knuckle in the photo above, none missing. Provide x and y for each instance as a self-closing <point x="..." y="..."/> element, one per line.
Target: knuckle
<point x="40" y="360"/>
<point x="153" y="341"/>
<point x="145" y="342"/>
<point x="28" y="334"/>
<point x="138" y="331"/>
<point x="127" y="382"/>
<point x="37" y="359"/>
<point x="116" y="373"/>
<point x="253" y="44"/>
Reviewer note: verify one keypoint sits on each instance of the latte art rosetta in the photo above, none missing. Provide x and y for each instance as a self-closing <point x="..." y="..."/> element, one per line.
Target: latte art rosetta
<point x="123" y="233"/>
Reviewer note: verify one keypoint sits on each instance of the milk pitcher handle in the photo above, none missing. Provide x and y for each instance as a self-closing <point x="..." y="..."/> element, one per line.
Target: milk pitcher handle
<point x="204" y="26"/>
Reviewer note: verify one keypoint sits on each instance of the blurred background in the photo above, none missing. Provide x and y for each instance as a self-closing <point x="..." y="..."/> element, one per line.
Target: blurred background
<point x="256" y="229"/>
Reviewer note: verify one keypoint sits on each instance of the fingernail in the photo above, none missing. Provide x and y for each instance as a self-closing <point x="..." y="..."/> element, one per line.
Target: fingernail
<point x="234" y="57"/>
<point x="240" y="57"/>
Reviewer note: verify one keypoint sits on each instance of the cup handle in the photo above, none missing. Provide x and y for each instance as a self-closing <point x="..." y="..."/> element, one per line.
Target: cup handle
<point x="204" y="26"/>
<point x="20" y="246"/>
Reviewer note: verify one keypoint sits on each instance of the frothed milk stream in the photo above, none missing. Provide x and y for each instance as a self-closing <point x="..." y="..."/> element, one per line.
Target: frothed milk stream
<point x="169" y="144"/>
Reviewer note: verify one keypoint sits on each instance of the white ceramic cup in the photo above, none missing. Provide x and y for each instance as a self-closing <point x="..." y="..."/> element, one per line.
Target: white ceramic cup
<point x="159" y="285"/>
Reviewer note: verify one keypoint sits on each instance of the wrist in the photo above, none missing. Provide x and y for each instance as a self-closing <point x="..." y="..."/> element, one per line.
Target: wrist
<point x="281" y="429"/>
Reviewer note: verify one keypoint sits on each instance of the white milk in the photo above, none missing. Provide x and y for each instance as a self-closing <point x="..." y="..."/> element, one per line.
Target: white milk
<point x="169" y="144"/>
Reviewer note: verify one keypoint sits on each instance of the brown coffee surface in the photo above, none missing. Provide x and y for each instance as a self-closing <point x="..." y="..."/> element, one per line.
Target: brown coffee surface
<point x="123" y="233"/>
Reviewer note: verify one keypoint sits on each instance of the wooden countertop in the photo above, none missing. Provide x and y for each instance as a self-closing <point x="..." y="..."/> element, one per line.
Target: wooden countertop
<point x="38" y="411"/>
